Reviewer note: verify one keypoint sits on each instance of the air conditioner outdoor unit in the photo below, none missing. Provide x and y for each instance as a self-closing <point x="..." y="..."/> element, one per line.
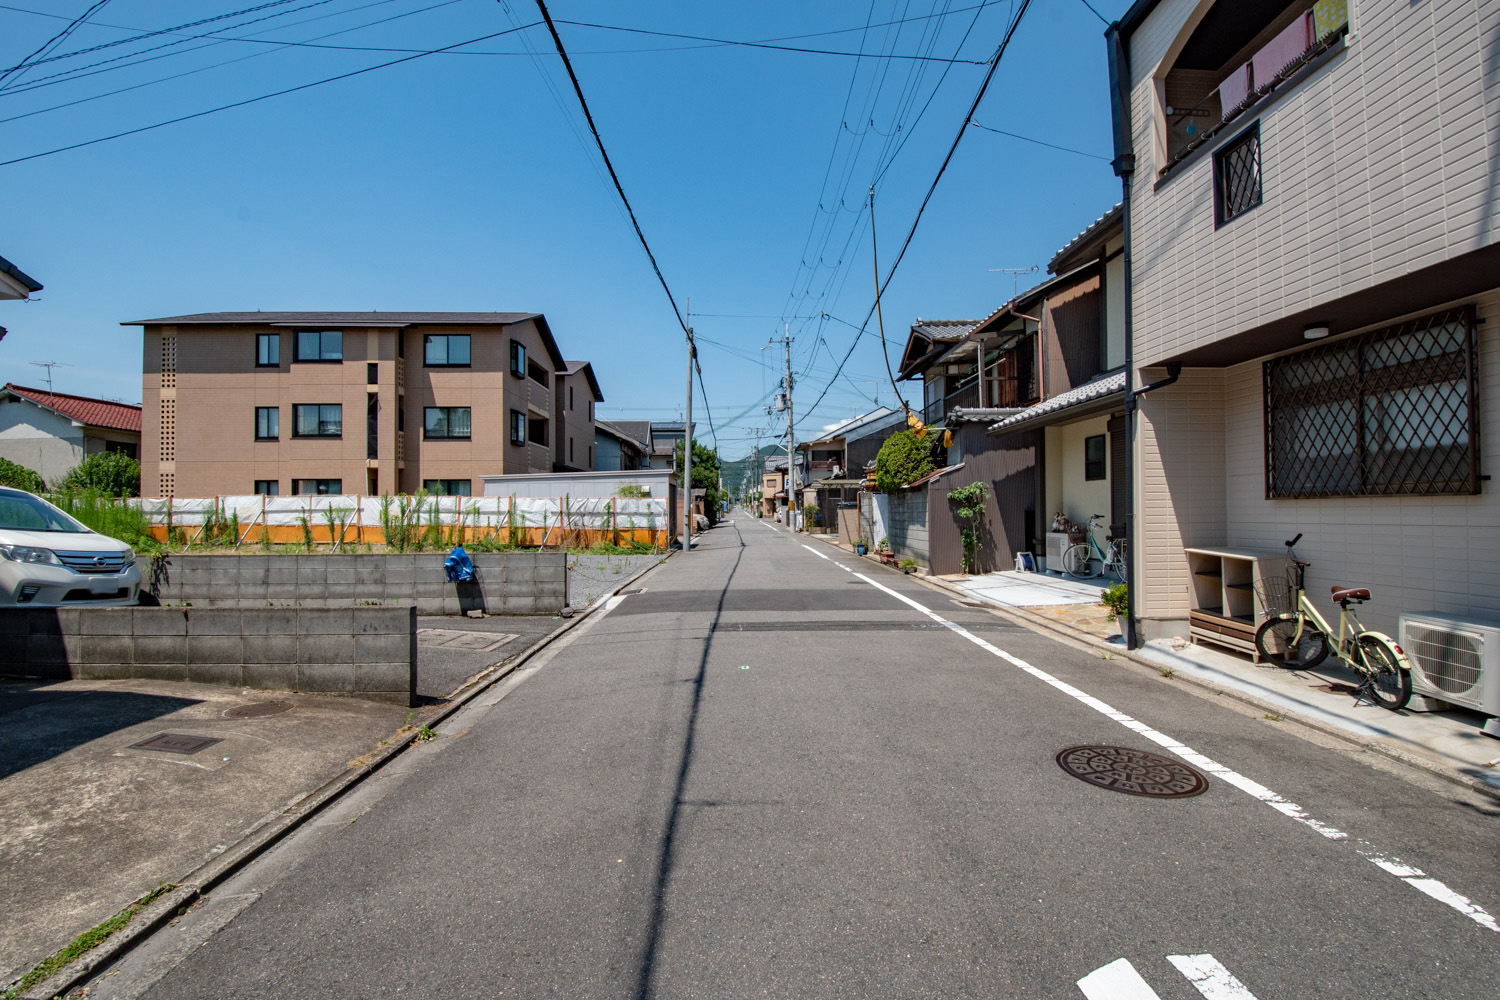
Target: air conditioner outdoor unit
<point x="1455" y="659"/>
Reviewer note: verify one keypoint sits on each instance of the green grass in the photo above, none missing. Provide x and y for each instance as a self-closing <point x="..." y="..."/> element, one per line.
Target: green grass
<point x="109" y="516"/>
<point x="84" y="942"/>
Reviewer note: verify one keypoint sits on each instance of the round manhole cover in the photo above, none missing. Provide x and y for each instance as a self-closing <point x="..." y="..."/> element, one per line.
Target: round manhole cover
<point x="1135" y="772"/>
<point x="259" y="709"/>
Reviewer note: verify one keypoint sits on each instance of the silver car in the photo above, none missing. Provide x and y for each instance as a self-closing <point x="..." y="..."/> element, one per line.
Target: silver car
<point x="48" y="559"/>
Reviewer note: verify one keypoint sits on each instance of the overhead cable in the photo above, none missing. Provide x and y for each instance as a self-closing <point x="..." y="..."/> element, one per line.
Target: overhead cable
<point x="52" y="42"/>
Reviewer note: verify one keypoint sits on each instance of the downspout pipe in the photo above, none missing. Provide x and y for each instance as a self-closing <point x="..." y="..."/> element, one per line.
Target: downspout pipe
<point x="1174" y="369"/>
<point x="1124" y="167"/>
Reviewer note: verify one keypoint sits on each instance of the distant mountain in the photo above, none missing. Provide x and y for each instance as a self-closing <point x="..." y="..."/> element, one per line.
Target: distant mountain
<point x="735" y="471"/>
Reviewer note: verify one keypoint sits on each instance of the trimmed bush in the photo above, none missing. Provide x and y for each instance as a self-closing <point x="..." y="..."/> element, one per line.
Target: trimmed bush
<point x="110" y="473"/>
<point x="904" y="458"/>
<point x="20" y="477"/>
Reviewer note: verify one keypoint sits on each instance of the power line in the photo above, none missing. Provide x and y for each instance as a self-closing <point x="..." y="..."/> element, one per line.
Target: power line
<point x="1065" y="149"/>
<point x="52" y="42"/>
<point x="1100" y="16"/>
<point x="962" y="131"/>
<point x="577" y="89"/>
<point x="768" y="45"/>
<point x="262" y="97"/>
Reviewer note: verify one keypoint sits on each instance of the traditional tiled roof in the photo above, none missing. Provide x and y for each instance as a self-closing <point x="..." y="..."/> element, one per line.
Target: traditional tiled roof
<point x="84" y="409"/>
<point x="1090" y="392"/>
<point x="940" y="329"/>
<point x="1094" y="229"/>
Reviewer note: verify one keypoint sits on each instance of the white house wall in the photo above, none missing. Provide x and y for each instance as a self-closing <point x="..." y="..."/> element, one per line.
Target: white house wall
<point x="1067" y="489"/>
<point x="1376" y="165"/>
<point x="39" y="439"/>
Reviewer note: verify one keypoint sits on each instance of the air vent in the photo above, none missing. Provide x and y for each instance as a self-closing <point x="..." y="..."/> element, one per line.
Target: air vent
<point x="1449" y="659"/>
<point x="1455" y="659"/>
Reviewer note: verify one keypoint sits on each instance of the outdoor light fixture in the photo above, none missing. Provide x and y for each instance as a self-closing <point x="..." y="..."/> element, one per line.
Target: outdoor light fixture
<point x="1316" y="331"/>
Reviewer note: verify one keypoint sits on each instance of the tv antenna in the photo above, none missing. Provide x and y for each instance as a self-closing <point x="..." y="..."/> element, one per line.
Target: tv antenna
<point x="49" y="365"/>
<point x="1015" y="276"/>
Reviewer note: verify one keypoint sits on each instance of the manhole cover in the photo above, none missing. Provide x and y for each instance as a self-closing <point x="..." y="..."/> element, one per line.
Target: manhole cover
<point x="259" y="709"/>
<point x="452" y="638"/>
<point x="176" y="743"/>
<point x="1135" y="772"/>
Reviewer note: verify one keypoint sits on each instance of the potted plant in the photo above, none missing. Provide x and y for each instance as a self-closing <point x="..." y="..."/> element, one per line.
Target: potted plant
<point x="1116" y="598"/>
<point x="883" y="550"/>
<point x="908" y="565"/>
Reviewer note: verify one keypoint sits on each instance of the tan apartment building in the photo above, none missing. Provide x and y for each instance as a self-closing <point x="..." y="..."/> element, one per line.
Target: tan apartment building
<point x="284" y="403"/>
<point x="1311" y="209"/>
<point x="577" y="390"/>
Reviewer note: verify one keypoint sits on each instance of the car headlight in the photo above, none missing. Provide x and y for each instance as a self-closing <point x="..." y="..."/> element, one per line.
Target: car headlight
<point x="129" y="556"/>
<point x="28" y="554"/>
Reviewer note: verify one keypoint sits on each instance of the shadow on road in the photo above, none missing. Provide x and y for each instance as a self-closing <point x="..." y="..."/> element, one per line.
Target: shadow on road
<point x="664" y="858"/>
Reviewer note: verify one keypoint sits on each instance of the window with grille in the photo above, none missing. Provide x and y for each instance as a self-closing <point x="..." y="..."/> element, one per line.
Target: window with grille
<point x="1237" y="176"/>
<point x="1392" y="412"/>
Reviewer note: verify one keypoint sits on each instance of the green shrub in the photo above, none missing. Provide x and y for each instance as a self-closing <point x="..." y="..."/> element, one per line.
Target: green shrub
<point x="20" y="477"/>
<point x="112" y="473"/>
<point x="1116" y="599"/>
<point x="904" y="458"/>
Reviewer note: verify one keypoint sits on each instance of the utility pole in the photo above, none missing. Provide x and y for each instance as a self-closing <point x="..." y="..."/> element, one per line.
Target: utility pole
<point x="791" y="467"/>
<point x="686" y="490"/>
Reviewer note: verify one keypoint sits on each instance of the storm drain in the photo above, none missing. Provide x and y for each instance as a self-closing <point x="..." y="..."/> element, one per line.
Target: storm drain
<point x="1134" y="772"/>
<point x="259" y="709"/>
<point x="176" y="743"/>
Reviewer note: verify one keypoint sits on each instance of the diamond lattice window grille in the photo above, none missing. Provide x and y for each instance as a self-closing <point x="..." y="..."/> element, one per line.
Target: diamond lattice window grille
<point x="1391" y="412"/>
<point x="1237" y="176"/>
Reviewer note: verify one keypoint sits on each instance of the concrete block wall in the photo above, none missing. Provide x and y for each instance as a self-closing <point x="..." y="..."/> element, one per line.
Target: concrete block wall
<point x="514" y="583"/>
<point x="364" y="652"/>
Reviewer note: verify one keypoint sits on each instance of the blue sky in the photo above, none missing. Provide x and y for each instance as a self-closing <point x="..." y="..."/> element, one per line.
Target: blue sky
<point x="467" y="181"/>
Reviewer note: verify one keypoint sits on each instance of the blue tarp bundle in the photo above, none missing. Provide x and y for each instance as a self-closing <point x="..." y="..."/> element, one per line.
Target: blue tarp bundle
<point x="458" y="566"/>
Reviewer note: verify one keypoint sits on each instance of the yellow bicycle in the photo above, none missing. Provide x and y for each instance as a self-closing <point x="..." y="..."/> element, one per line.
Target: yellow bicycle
<point x="1300" y="638"/>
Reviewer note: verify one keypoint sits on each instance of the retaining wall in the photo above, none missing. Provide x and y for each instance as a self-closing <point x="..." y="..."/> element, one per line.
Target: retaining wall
<point x="510" y="583"/>
<point x="368" y="653"/>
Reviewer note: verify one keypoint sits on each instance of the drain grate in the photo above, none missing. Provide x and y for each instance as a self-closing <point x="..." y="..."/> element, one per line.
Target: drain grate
<point x="260" y="708"/>
<point x="176" y="743"/>
<point x="1134" y="772"/>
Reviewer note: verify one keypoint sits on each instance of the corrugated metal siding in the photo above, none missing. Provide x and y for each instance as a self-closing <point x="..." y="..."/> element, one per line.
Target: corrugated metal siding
<point x="1377" y="165"/>
<point x="1008" y="465"/>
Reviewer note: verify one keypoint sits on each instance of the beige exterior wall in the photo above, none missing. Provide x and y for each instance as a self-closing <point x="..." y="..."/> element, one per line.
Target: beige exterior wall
<point x="1201" y="481"/>
<point x="575" y="422"/>
<point x="1067" y="490"/>
<point x="1377" y="165"/>
<point x="200" y="389"/>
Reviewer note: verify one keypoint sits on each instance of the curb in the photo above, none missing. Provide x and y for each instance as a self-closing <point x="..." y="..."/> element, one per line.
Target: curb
<point x="1410" y="759"/>
<point x="215" y="871"/>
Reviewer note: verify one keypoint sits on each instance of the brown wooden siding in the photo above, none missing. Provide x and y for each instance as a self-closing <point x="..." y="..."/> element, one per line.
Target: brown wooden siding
<point x="1008" y="465"/>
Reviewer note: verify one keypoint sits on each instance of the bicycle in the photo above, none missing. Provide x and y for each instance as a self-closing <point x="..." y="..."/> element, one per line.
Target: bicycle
<point x="1299" y="639"/>
<point x="1078" y="559"/>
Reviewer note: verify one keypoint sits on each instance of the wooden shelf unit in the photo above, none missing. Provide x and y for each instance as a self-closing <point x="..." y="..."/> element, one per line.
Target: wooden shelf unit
<point x="1224" y="606"/>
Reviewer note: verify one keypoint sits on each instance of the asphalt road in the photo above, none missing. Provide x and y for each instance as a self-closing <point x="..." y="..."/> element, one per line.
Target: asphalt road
<point x="767" y="775"/>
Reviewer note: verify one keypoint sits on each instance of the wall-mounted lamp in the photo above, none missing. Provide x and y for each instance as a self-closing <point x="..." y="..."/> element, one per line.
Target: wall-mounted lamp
<point x="1316" y="331"/>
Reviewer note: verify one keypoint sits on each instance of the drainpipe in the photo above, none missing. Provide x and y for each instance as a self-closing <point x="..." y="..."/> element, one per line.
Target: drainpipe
<point x="1124" y="166"/>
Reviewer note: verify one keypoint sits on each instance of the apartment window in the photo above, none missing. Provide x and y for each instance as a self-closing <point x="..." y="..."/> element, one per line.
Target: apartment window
<point x="268" y="487"/>
<point x="446" y="350"/>
<point x="318" y="487"/>
<point x="372" y="373"/>
<point x="320" y="345"/>
<point x="536" y="430"/>
<point x="591" y="456"/>
<point x="445" y="422"/>
<point x="449" y="487"/>
<point x="570" y="449"/>
<point x="1392" y="412"/>
<point x="267" y="350"/>
<point x="536" y="372"/>
<point x="517" y="427"/>
<point x="591" y="409"/>
<point x="518" y="359"/>
<point x="1093" y="457"/>
<point x="570" y="398"/>
<point x="1237" y="176"/>
<point x="318" y="420"/>
<point x="372" y="427"/>
<point x="267" y="423"/>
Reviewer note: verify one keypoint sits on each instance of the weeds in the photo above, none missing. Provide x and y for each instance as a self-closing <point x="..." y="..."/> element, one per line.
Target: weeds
<point x="85" y="942"/>
<point x="1166" y="672"/>
<point x="424" y="735"/>
<point x="116" y="518"/>
<point x="1273" y="717"/>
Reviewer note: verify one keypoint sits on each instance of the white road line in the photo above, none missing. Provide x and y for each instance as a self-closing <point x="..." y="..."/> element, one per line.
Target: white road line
<point x="1409" y="874"/>
<point x="1210" y="977"/>
<point x="1116" y="981"/>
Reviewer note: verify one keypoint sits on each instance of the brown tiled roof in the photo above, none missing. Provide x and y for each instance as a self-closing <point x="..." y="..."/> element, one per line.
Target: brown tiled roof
<point x="575" y="367"/>
<point x="84" y="409"/>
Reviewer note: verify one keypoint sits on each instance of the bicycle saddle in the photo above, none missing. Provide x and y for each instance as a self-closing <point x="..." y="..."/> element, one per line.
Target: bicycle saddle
<point x="1342" y="594"/>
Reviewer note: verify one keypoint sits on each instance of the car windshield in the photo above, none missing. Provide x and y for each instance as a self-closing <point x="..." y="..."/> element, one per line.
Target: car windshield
<point x="24" y="512"/>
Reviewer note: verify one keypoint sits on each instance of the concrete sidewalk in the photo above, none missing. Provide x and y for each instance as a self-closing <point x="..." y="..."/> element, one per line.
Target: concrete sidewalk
<point x="1448" y="743"/>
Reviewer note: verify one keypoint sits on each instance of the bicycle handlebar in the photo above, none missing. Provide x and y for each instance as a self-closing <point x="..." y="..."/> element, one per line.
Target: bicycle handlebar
<point x="1294" y="541"/>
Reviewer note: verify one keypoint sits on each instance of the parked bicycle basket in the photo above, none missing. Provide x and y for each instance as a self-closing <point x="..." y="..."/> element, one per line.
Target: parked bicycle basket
<point x="1276" y="595"/>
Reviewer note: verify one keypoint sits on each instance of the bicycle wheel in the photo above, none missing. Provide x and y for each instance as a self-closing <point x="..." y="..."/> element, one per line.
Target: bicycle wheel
<point x="1075" y="561"/>
<point x="1390" y="685"/>
<point x="1115" y="566"/>
<point x="1274" y="638"/>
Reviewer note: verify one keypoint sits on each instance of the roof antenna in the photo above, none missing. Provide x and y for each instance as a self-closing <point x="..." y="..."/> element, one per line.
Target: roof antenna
<point x="49" y="365"/>
<point x="1015" y="276"/>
